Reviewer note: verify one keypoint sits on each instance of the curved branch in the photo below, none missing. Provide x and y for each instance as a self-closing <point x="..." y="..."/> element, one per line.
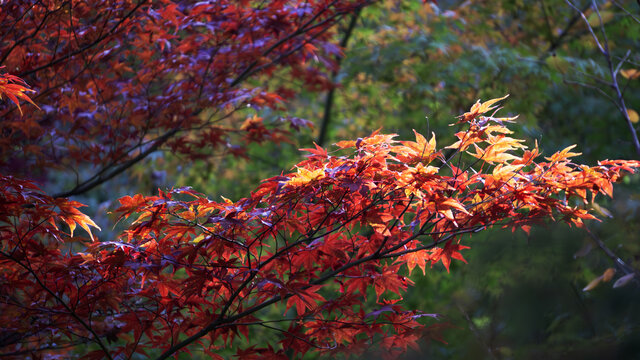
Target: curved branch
<point x="108" y="175"/>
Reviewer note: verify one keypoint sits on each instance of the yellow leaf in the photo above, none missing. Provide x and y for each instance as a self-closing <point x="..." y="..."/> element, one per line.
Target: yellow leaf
<point x="86" y="223"/>
<point x="86" y="257"/>
<point x="420" y="149"/>
<point x="633" y="116"/>
<point x="72" y="228"/>
<point x="447" y="213"/>
<point x="345" y="144"/>
<point x="305" y="176"/>
<point x="564" y="154"/>
<point x="630" y="73"/>
<point x="594" y="19"/>
<point x="502" y="172"/>
<point x="608" y="274"/>
<point x="250" y="122"/>
<point x="455" y="204"/>
<point x="198" y="238"/>
<point x="480" y="108"/>
<point x="486" y="106"/>
<point x="593" y="284"/>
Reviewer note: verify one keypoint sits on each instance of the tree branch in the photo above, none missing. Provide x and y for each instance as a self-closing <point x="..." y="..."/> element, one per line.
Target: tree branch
<point x="613" y="71"/>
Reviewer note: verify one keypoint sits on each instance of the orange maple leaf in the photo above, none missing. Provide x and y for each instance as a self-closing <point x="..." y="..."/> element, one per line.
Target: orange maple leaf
<point x="479" y="108"/>
<point x="14" y="87"/>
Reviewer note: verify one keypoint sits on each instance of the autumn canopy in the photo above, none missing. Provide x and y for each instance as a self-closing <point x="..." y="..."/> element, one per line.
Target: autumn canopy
<point x="316" y="255"/>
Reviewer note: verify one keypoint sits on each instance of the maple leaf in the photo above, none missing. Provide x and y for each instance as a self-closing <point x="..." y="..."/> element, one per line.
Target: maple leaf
<point x="455" y="204"/>
<point x="131" y="204"/>
<point x="563" y="154"/>
<point x="191" y="269"/>
<point x="304" y="299"/>
<point x="305" y="176"/>
<point x="479" y="108"/>
<point x="72" y="216"/>
<point x="13" y="87"/>
<point x="417" y="258"/>
<point x="418" y="150"/>
<point x="445" y="254"/>
<point x="390" y="280"/>
<point x="630" y="73"/>
<point x="318" y="151"/>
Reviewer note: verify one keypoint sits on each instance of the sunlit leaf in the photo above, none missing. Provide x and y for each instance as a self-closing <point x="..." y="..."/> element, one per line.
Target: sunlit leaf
<point x="630" y="73"/>
<point x="633" y="116"/>
<point x="608" y="274"/>
<point x="595" y="282"/>
<point x="596" y="19"/>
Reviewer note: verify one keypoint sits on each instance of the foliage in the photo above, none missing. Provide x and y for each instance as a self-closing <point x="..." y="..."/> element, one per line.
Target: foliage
<point x="14" y="88"/>
<point x="120" y="80"/>
<point x="317" y="260"/>
<point x="206" y="269"/>
<point x="539" y="51"/>
<point x="459" y="52"/>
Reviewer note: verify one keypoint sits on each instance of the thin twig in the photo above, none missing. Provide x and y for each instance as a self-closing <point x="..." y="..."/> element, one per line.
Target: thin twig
<point x="613" y="71"/>
<point x="620" y="264"/>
